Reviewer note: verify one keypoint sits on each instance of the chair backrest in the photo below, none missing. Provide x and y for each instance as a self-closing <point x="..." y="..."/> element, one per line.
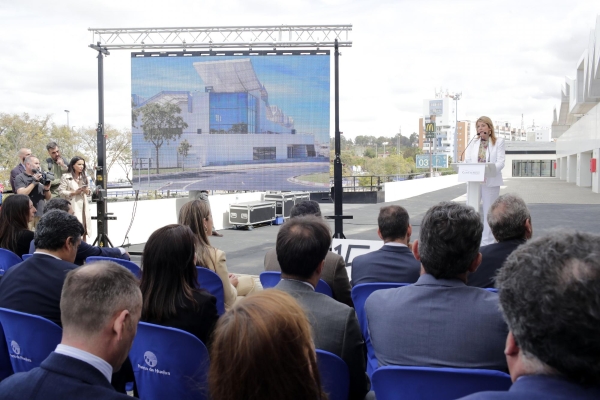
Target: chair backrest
<point x="435" y="383"/>
<point x="26" y="256"/>
<point x="29" y="338"/>
<point x="133" y="267"/>
<point x="335" y="376"/>
<point x="493" y="290"/>
<point x="269" y="279"/>
<point x="169" y="363"/>
<point x="5" y="365"/>
<point x="210" y="281"/>
<point x="7" y="260"/>
<point x="359" y="294"/>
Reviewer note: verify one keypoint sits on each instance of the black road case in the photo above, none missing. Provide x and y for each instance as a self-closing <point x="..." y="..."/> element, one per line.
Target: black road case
<point x="283" y="203"/>
<point x="252" y="212"/>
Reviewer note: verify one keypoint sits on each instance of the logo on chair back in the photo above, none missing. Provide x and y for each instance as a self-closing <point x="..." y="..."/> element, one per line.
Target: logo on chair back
<point x="150" y="359"/>
<point x="15" y="347"/>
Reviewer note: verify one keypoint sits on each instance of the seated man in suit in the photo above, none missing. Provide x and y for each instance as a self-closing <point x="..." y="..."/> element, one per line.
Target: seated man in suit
<point x="510" y="222"/>
<point x="550" y="296"/>
<point x="394" y="262"/>
<point x="334" y="270"/>
<point x="440" y="321"/>
<point x="101" y="305"/>
<point x="84" y="250"/>
<point x="302" y="245"/>
<point x="34" y="285"/>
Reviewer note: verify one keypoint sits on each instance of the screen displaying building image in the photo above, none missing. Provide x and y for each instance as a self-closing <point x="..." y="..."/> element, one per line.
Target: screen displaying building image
<point x="230" y="122"/>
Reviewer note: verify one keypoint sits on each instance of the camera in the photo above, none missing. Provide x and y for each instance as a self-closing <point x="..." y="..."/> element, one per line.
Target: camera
<point x="47" y="177"/>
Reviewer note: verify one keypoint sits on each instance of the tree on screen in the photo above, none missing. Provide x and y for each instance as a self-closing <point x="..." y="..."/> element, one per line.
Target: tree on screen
<point x="161" y="123"/>
<point x="183" y="150"/>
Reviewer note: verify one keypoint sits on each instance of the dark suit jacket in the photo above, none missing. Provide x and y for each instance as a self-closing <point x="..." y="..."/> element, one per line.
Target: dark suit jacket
<point x="334" y="274"/>
<point x="34" y="286"/>
<point x="437" y="323"/>
<point x="18" y="170"/>
<point x="540" y="387"/>
<point x="59" y="377"/>
<point x="388" y="264"/>
<point x="85" y="250"/>
<point x="335" y="329"/>
<point x="493" y="256"/>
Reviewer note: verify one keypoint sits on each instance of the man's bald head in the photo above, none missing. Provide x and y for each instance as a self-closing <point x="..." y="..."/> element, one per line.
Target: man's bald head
<point x="22" y="153"/>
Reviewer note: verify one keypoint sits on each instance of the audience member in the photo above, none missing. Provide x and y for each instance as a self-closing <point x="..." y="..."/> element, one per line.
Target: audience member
<point x="170" y="284"/>
<point x="263" y="350"/>
<point x="20" y="168"/>
<point x="440" y="321"/>
<point x="510" y="222"/>
<point x="28" y="183"/>
<point x="57" y="165"/>
<point x="15" y="215"/>
<point x="196" y="215"/>
<point x="100" y="308"/>
<point x="34" y="285"/>
<point x="84" y="250"/>
<point x="334" y="270"/>
<point x="394" y="262"/>
<point x="74" y="187"/>
<point x="203" y="195"/>
<point x="302" y="245"/>
<point x="550" y="296"/>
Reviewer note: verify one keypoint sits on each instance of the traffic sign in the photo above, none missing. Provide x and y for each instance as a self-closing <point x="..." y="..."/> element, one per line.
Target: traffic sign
<point x="438" y="160"/>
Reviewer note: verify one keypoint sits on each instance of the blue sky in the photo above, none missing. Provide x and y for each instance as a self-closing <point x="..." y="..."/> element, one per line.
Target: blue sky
<point x="298" y="85"/>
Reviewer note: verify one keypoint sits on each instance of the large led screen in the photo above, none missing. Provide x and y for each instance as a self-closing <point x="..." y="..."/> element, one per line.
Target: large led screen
<point x="243" y="121"/>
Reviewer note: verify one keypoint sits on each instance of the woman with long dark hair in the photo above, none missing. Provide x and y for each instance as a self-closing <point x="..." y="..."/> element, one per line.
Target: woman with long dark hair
<point x="74" y="187"/>
<point x="16" y="213"/>
<point x="262" y="349"/>
<point x="169" y="284"/>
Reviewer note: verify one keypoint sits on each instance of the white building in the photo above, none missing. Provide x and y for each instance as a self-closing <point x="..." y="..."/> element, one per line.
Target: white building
<point x="444" y="109"/>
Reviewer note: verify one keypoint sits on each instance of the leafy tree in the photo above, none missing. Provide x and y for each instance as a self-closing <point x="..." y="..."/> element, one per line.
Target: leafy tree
<point x="369" y="152"/>
<point x="184" y="148"/>
<point x="239" y="128"/>
<point x="161" y="123"/>
<point x="414" y="138"/>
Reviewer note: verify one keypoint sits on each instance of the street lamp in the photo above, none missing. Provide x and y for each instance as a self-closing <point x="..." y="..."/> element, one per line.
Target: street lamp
<point x="67" y="111"/>
<point x="384" y="144"/>
<point x="456" y="98"/>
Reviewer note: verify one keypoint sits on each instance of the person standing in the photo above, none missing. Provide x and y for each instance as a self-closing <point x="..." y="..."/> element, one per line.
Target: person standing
<point x="20" y="168"/>
<point x="57" y="165"/>
<point x="487" y="148"/>
<point x="28" y="183"/>
<point x="74" y="187"/>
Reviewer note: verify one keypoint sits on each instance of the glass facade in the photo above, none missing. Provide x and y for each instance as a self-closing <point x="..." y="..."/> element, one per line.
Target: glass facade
<point x="264" y="153"/>
<point x="232" y="113"/>
<point x="539" y="168"/>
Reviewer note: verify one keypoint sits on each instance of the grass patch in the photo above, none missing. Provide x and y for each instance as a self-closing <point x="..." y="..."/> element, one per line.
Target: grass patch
<point x="321" y="177"/>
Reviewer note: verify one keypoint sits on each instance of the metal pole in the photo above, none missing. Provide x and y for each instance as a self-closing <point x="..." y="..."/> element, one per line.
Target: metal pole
<point x="337" y="165"/>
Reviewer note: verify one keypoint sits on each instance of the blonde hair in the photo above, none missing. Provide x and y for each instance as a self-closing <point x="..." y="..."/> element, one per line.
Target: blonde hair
<point x="488" y="122"/>
<point x="263" y="345"/>
<point x="193" y="214"/>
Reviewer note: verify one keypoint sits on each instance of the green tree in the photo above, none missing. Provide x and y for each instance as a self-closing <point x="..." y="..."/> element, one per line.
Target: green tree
<point x="369" y="152"/>
<point x="161" y="123"/>
<point x="183" y="150"/>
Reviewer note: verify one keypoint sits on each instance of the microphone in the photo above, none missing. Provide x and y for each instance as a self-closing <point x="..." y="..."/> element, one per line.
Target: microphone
<point x="461" y="154"/>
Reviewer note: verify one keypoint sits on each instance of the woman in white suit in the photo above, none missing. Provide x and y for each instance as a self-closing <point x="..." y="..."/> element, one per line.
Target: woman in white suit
<point x="487" y="148"/>
<point x="74" y="187"/>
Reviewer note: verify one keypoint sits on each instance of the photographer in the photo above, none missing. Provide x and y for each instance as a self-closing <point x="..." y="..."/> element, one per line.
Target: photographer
<point x="57" y="165"/>
<point x="35" y="184"/>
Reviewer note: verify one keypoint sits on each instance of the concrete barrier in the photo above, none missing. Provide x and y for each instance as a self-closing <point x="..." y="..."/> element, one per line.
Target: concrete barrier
<point x="395" y="191"/>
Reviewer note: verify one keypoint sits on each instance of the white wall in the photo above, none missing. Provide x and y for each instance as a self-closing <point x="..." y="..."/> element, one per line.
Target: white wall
<point x="405" y="189"/>
<point x="582" y="136"/>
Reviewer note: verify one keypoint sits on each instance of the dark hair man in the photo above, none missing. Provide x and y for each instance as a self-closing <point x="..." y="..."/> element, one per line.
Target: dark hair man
<point x="394" y="261"/>
<point x="302" y="245"/>
<point x="20" y="168"/>
<point x="84" y="250"/>
<point x="510" y="222"/>
<point x="29" y="183"/>
<point x="550" y="296"/>
<point x="100" y="306"/>
<point x="34" y="285"/>
<point x="440" y="321"/>
<point x="334" y="271"/>
<point x="57" y="165"/>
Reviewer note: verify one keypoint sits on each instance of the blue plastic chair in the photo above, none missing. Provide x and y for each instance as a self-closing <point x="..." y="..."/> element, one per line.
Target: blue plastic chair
<point x="391" y="383"/>
<point x="335" y="376"/>
<point x="493" y="290"/>
<point x="359" y="294"/>
<point x="7" y="260"/>
<point x="269" y="279"/>
<point x="5" y="365"/>
<point x="169" y="363"/>
<point x="210" y="281"/>
<point x="26" y="256"/>
<point x="130" y="265"/>
<point x="29" y="338"/>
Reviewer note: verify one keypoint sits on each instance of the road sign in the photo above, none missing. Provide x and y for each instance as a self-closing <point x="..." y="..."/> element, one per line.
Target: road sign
<point x="438" y="160"/>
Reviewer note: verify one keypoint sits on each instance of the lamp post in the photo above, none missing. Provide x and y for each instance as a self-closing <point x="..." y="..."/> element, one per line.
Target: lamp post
<point x="67" y="111"/>
<point x="384" y="144"/>
<point x="456" y="98"/>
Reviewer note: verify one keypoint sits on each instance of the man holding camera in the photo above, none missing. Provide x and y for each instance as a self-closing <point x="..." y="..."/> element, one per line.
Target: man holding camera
<point x="35" y="184"/>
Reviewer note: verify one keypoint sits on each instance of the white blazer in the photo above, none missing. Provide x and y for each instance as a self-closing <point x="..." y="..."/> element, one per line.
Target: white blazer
<point x="495" y="154"/>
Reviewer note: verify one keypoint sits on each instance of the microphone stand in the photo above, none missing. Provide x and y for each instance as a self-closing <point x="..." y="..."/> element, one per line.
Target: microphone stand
<point x="468" y="144"/>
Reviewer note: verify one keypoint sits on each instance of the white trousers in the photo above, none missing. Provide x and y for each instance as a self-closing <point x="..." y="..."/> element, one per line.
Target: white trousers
<point x="488" y="196"/>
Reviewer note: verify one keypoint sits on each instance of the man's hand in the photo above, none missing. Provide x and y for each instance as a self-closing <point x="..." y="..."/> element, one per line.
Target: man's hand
<point x="37" y="176"/>
<point x="60" y="162"/>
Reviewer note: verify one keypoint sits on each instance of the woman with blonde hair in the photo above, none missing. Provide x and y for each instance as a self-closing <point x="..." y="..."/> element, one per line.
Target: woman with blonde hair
<point x="487" y="148"/>
<point x="196" y="215"/>
<point x="262" y="349"/>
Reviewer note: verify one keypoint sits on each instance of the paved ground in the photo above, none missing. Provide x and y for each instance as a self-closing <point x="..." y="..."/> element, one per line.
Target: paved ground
<point x="553" y="204"/>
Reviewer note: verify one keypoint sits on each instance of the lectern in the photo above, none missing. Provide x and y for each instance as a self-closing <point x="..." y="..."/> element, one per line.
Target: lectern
<point x="474" y="174"/>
